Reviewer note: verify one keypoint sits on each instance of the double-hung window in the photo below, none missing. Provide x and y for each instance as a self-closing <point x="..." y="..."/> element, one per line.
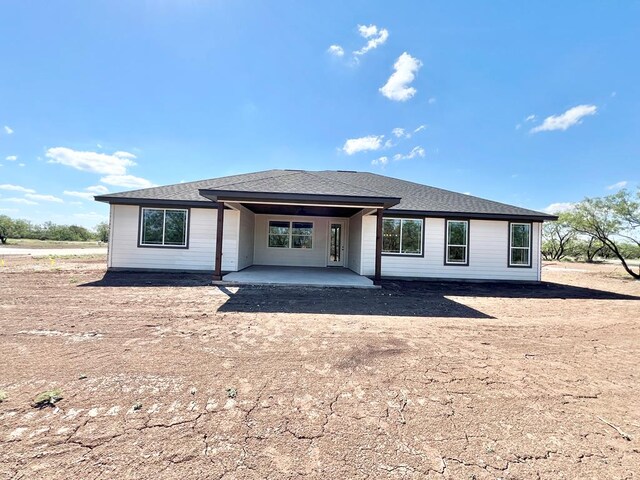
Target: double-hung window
<point x="519" y="244"/>
<point x="457" y="242"/>
<point x="402" y="236"/>
<point x="290" y="234"/>
<point x="163" y="227"/>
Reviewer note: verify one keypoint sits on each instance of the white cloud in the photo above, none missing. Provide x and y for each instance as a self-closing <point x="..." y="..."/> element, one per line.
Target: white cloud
<point x="518" y="126"/>
<point x="362" y="144"/>
<point x="397" y="87"/>
<point x="432" y="100"/>
<point x="16" y="188"/>
<point x="114" y="164"/>
<point x="22" y="164"/>
<point x="382" y="161"/>
<point x="389" y="143"/>
<point x="530" y="118"/>
<point x="376" y="38"/>
<point x="8" y="130"/>
<point x="400" y="133"/>
<point x="44" y="198"/>
<point x="12" y="158"/>
<point x="336" y="50"/>
<point x="420" y="128"/>
<point x="127" y="181"/>
<point x="89" y="192"/>
<point x="558" y="207"/>
<point x="85" y="195"/>
<point x="571" y="117"/>
<point x="618" y="186"/>
<point x="99" y="189"/>
<point x="415" y="152"/>
<point x="23" y="201"/>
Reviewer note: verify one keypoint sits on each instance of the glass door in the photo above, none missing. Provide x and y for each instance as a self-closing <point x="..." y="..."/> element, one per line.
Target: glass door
<point x="336" y="244"/>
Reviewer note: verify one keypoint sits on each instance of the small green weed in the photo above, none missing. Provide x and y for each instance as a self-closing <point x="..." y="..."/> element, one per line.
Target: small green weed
<point x="48" y="398"/>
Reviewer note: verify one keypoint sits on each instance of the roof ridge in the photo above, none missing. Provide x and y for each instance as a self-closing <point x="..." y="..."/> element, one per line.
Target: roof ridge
<point x="285" y="173"/>
<point x="344" y="183"/>
<point x="188" y="183"/>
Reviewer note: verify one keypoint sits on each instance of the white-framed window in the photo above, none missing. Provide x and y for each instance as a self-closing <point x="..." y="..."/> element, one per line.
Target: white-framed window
<point x="457" y="242"/>
<point x="402" y="236"/>
<point x="163" y="227"/>
<point x="519" y="244"/>
<point x="286" y="234"/>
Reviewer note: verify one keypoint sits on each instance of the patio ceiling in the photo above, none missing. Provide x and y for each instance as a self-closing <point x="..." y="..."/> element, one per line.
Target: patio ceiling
<point x="301" y="210"/>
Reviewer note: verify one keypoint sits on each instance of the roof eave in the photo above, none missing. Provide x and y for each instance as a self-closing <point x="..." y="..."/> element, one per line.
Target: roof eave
<point x="300" y="198"/>
<point x="478" y="215"/>
<point x="155" y="202"/>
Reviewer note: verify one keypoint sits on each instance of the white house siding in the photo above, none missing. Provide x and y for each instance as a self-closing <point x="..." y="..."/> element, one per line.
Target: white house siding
<point x="302" y="257"/>
<point x="124" y="251"/>
<point x="246" y="238"/>
<point x="488" y="253"/>
<point x="355" y="242"/>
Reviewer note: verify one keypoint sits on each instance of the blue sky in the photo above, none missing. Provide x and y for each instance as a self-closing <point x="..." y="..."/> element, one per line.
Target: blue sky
<point x="531" y="104"/>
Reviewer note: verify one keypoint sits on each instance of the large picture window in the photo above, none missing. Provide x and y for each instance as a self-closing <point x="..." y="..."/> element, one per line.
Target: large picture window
<point x="402" y="236"/>
<point x="457" y="242"/>
<point x="163" y="227"/>
<point x="519" y="244"/>
<point x="290" y="234"/>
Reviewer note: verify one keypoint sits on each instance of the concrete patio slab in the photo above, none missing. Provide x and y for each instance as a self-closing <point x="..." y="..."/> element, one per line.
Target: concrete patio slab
<point x="297" y="276"/>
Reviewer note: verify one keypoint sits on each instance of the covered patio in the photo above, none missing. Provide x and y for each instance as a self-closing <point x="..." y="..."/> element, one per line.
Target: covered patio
<point x="309" y="234"/>
<point x="297" y="276"/>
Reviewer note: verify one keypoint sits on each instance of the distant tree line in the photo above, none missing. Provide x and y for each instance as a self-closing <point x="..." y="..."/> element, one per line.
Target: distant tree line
<point x="597" y="228"/>
<point x="19" y="228"/>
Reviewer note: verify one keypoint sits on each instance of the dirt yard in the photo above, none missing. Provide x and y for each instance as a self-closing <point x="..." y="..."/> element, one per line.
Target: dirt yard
<point x="168" y="377"/>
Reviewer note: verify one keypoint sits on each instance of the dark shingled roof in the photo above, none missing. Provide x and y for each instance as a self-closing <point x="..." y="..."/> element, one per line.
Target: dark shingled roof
<point x="414" y="197"/>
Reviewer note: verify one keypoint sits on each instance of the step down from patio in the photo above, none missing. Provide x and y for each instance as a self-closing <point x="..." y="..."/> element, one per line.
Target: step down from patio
<point x="297" y="277"/>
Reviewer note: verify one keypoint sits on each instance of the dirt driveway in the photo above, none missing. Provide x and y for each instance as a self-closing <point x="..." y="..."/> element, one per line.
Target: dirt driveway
<point x="166" y="377"/>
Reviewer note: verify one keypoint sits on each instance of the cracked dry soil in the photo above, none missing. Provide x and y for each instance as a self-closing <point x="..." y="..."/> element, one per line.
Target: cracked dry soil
<point x="164" y="376"/>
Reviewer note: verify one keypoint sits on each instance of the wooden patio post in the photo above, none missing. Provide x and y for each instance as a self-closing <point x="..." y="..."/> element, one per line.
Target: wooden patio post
<point x="217" y="273"/>
<point x="378" y="271"/>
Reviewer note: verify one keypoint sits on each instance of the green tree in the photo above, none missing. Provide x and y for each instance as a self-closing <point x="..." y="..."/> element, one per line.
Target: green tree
<point x="613" y="220"/>
<point x="590" y="248"/>
<point x="102" y="232"/>
<point x="558" y="238"/>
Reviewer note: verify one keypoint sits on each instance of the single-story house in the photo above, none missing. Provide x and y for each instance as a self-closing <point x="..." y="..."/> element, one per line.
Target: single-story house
<point x="373" y="225"/>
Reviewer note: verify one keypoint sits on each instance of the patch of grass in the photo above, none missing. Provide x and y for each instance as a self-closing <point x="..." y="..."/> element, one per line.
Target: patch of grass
<point x="73" y="280"/>
<point x="48" y="398"/>
<point x="29" y="243"/>
<point x="232" y="392"/>
<point x="3" y="396"/>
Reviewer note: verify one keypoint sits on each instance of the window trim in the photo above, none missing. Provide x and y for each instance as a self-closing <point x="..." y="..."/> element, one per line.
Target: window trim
<point x="165" y="208"/>
<point x="446" y="242"/>
<point x="422" y="238"/>
<point x="291" y="222"/>
<point x="509" y="247"/>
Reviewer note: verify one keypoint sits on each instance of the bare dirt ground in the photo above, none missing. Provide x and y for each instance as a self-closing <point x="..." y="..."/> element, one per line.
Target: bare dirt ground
<point x="165" y="376"/>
